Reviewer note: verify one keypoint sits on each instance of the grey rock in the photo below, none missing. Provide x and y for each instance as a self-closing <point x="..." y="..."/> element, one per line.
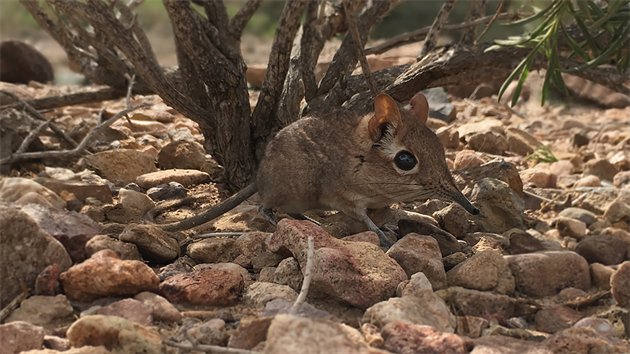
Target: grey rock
<point x="501" y="208"/>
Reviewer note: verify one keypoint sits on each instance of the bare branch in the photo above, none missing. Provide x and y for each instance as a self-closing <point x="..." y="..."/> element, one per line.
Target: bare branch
<point x="142" y="38"/>
<point x="308" y="275"/>
<point x="309" y="54"/>
<point x="354" y="31"/>
<point x="476" y="10"/>
<point x="31" y="136"/>
<point x="215" y="349"/>
<point x="242" y="17"/>
<point x="496" y="14"/>
<point x="436" y="28"/>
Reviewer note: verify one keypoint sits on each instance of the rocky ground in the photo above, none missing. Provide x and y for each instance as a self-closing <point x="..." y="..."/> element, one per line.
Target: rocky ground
<point x="544" y="269"/>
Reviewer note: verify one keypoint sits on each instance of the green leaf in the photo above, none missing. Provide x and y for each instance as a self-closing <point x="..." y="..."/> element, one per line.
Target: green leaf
<point x="577" y="48"/>
<point x="584" y="10"/>
<point x="534" y="17"/>
<point x="592" y="43"/>
<point x="603" y="57"/>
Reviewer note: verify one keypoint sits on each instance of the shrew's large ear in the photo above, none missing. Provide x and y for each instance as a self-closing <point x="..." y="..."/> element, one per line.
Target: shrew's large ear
<point x="420" y="107"/>
<point x="386" y="116"/>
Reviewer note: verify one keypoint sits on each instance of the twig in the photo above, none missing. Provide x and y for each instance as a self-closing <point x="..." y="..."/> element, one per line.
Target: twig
<point x="476" y="10"/>
<point x="306" y="283"/>
<point x="132" y="80"/>
<point x="32" y="135"/>
<point x="209" y="348"/>
<point x="436" y="28"/>
<point x="242" y="17"/>
<point x="496" y="14"/>
<point x="420" y="34"/>
<point x="354" y="31"/>
<point x="6" y="311"/>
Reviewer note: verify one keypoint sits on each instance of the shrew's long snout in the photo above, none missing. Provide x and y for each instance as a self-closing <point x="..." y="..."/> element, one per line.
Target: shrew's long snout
<point x="454" y="194"/>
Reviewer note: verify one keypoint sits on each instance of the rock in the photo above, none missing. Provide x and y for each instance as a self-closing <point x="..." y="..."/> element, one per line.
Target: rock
<point x="211" y="332"/>
<point x="59" y="344"/>
<point x="288" y="273"/>
<point x="447" y="242"/>
<point x="169" y="191"/>
<point x="418" y="305"/>
<point x="468" y="302"/>
<point x="521" y="142"/>
<point x="417" y="253"/>
<point x="538" y="177"/>
<point x="449" y="137"/>
<point x="471" y="326"/>
<point x="570" y="294"/>
<point x="588" y="181"/>
<point x="571" y="227"/>
<point x="491" y="242"/>
<point x="600" y="274"/>
<point x="454" y="219"/>
<point x="117" y="334"/>
<point x="253" y="245"/>
<point x="501" y="208"/>
<point x="620" y="285"/>
<point x="402" y="337"/>
<point x="507" y="172"/>
<point x="489" y="141"/>
<point x="152" y="242"/>
<point x="522" y="242"/>
<point x="21" y="63"/>
<point x="250" y="332"/>
<point x="123" y="250"/>
<point x="337" y="263"/>
<point x="601" y="325"/>
<point x="467" y="158"/>
<point x="104" y="274"/>
<point x="226" y="266"/>
<point x="586" y="90"/>
<point x="622" y="179"/>
<point x="243" y="218"/>
<point x="600" y="168"/>
<point x="186" y="178"/>
<point x="289" y="334"/>
<point x="282" y="306"/>
<point x="439" y="103"/>
<point x="259" y="293"/>
<point x="34" y="198"/>
<point x="584" y="340"/>
<point x="486" y="270"/>
<point x="135" y="202"/>
<point x="17" y="337"/>
<point x="16" y="124"/>
<point x="72" y="229"/>
<point x="366" y="236"/>
<point x="47" y="282"/>
<point x="209" y="287"/>
<point x="213" y="250"/>
<point x="583" y="215"/>
<point x="604" y="249"/>
<point x="556" y="318"/>
<point x="25" y="251"/>
<point x="182" y="155"/>
<point x="507" y="345"/>
<point x="81" y="190"/>
<point x="452" y="260"/>
<point x="49" y="312"/>
<point x="129" y="309"/>
<point x="488" y="124"/>
<point x="121" y="166"/>
<point x="617" y="211"/>
<point x="562" y="269"/>
<point x="172" y="269"/>
<point x="161" y="309"/>
<point x="14" y="188"/>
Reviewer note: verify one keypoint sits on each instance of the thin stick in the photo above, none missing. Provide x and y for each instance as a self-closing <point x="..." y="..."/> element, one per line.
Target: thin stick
<point x="32" y="135"/>
<point x="354" y="31"/>
<point x="209" y="348"/>
<point x="306" y="283"/>
<point x="499" y="9"/>
<point x="431" y="40"/>
<point x="6" y="311"/>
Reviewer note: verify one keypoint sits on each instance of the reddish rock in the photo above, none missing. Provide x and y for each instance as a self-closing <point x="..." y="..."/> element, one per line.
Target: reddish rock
<point x="486" y="270"/>
<point x="417" y="253"/>
<point x="210" y="287"/>
<point x="106" y="275"/>
<point x="16" y="337"/>
<point x="367" y="236"/>
<point x="161" y="309"/>
<point x="562" y="269"/>
<point x="253" y="245"/>
<point x="556" y="318"/>
<point x="129" y="309"/>
<point x="620" y="285"/>
<point x="250" y="332"/>
<point x="604" y="249"/>
<point x="21" y="63"/>
<point x="447" y="242"/>
<point x="507" y="345"/>
<point x="214" y="250"/>
<point x="601" y="274"/>
<point x="186" y="178"/>
<point x="47" y="282"/>
<point x="585" y="340"/>
<point x="182" y="154"/>
<point x="358" y="273"/>
<point x="406" y="338"/>
<point x="467" y="158"/>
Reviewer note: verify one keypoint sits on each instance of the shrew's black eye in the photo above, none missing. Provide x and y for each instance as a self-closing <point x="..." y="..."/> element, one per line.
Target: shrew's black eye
<point x="405" y="160"/>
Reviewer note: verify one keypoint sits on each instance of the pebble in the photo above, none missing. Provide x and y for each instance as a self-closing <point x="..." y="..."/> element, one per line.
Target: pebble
<point x="454" y="219"/>
<point x="288" y="273"/>
<point x="25" y="251"/>
<point x="471" y="326"/>
<point x="585" y="340"/>
<point x="211" y="332"/>
<point x="620" y="285"/>
<point x="116" y="333"/>
<point x="588" y="181"/>
<point x="123" y="250"/>
<point x="521" y="142"/>
<point x="260" y="293"/>
<point x="485" y="271"/>
<point x="253" y="245"/>
<point x="447" y="242"/>
<point x="226" y="266"/>
<point x="571" y="227"/>
<point x="467" y="158"/>
<point x="583" y="215"/>
<point x="104" y="274"/>
<point x="135" y="202"/>
<point x="47" y="282"/>
<point x="337" y="263"/>
<point x="250" y="332"/>
<point x="153" y="243"/>
<point x="617" y="211"/>
<point x="129" y="309"/>
<point x="182" y="154"/>
<point x="169" y="191"/>
<point x="161" y="309"/>
<point x="622" y="180"/>
<point x="49" y="312"/>
<point x="403" y="337"/>
<point x="522" y="242"/>
<point x="489" y="141"/>
<point x="600" y="274"/>
<point x="17" y="337"/>
<point x="468" y="302"/>
<point x="186" y="178"/>
<point x="209" y="287"/>
<point x="501" y="208"/>
<point x="507" y="345"/>
<point x="417" y="253"/>
<point x="418" y="305"/>
<point x="604" y="249"/>
<point x="121" y="166"/>
<point x="556" y="318"/>
<point x="82" y="190"/>
<point x="213" y="250"/>
<point x="562" y="269"/>
<point x="569" y="294"/>
<point x="14" y="188"/>
<point x="601" y="168"/>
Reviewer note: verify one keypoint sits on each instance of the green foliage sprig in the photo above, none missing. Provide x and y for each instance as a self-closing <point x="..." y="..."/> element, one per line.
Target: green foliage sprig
<point x="592" y="20"/>
<point x="542" y="154"/>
